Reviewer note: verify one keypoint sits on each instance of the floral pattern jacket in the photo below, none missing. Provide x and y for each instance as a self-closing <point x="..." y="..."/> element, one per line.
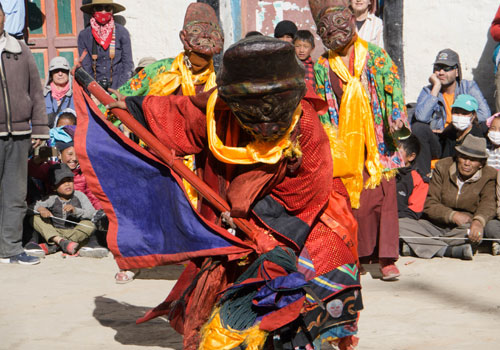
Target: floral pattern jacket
<point x="383" y="86"/>
<point x="139" y="84"/>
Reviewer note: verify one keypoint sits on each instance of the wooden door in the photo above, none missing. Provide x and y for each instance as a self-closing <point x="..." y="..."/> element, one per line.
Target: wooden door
<point x="53" y="27"/>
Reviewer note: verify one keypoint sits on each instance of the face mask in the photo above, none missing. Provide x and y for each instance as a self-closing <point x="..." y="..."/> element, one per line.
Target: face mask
<point x="460" y="122"/>
<point x="494" y="137"/>
<point x="103" y="17"/>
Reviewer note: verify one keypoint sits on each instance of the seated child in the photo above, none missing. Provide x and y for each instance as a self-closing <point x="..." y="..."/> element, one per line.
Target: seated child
<point x="65" y="204"/>
<point x="304" y="44"/>
<point x="411" y="189"/>
<point x="410" y="186"/>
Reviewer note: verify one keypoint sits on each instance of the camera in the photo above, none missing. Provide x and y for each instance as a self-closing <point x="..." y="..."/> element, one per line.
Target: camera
<point x="46" y="152"/>
<point x="105" y="83"/>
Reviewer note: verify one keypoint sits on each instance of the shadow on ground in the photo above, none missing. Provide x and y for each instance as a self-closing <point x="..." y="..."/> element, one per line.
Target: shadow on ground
<point x="167" y="272"/>
<point x="121" y="317"/>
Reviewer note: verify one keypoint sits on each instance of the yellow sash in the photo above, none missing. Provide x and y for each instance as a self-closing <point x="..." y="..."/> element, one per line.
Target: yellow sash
<point x="356" y="129"/>
<point x="254" y="152"/>
<point x="167" y="82"/>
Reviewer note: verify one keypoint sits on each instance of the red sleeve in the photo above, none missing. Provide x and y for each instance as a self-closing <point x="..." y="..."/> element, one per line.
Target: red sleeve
<point x="495" y="26"/>
<point x="177" y="122"/>
<point x="419" y="193"/>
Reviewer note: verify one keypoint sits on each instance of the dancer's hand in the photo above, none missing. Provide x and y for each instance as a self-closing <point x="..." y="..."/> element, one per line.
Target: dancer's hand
<point x="119" y="103"/>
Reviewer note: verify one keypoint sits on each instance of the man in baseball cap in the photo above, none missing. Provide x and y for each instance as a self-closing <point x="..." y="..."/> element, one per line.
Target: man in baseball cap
<point x="433" y="110"/>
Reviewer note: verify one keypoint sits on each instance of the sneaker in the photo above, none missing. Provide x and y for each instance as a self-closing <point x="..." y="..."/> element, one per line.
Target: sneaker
<point x="67" y="246"/>
<point x="495" y="248"/>
<point x="34" y="249"/>
<point x="405" y="249"/>
<point x="467" y="253"/>
<point x="22" y="258"/>
<point x="49" y="248"/>
<point x="93" y="252"/>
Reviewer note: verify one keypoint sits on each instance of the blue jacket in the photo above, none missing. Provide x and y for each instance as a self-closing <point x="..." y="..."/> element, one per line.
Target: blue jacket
<point x="431" y="109"/>
<point x="123" y="65"/>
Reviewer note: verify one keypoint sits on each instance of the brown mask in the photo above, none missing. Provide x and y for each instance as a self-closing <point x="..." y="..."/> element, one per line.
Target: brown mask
<point x="337" y="28"/>
<point x="262" y="82"/>
<point x="201" y="32"/>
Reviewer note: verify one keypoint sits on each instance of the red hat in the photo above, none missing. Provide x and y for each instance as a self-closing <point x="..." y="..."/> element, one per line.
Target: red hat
<point x="200" y="12"/>
<point x="319" y="7"/>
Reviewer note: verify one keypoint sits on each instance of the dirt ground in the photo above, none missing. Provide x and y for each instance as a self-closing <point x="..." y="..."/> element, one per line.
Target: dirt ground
<point x="74" y="303"/>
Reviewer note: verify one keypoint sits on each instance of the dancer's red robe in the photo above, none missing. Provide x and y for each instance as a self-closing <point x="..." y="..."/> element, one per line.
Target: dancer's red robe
<point x="294" y="199"/>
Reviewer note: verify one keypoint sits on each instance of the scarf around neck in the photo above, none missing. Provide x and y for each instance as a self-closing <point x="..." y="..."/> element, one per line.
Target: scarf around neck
<point x="102" y="33"/>
<point x="356" y="130"/>
<point x="180" y="75"/>
<point x="57" y="92"/>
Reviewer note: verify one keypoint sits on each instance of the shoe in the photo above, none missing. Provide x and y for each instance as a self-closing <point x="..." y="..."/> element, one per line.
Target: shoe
<point x="126" y="276"/>
<point x="389" y="270"/>
<point x="22" y="258"/>
<point x="405" y="249"/>
<point x="463" y="252"/>
<point x="67" y="246"/>
<point x="34" y="249"/>
<point x="495" y="248"/>
<point x="93" y="252"/>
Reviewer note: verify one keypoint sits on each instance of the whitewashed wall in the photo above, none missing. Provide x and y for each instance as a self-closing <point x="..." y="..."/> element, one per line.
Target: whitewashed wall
<point x="154" y="26"/>
<point x="462" y="25"/>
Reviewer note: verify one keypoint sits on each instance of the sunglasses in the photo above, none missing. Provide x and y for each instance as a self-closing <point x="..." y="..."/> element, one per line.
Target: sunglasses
<point x="438" y="67"/>
<point x="99" y="8"/>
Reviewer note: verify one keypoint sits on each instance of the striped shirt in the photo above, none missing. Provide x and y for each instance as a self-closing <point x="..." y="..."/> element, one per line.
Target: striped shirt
<point x="494" y="157"/>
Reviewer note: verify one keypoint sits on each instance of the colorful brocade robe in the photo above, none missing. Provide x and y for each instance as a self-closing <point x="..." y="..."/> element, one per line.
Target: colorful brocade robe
<point x="381" y="81"/>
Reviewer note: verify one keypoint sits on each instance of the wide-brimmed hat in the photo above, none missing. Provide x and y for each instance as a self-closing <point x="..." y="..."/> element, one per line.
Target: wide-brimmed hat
<point x="473" y="146"/>
<point x="87" y="8"/>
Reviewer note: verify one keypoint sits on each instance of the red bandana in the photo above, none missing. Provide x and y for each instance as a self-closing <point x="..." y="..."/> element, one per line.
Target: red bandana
<point x="102" y="33"/>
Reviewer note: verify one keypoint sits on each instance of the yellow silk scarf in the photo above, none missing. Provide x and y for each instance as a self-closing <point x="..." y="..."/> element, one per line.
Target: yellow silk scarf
<point x="254" y="152"/>
<point x="356" y="129"/>
<point x="167" y="82"/>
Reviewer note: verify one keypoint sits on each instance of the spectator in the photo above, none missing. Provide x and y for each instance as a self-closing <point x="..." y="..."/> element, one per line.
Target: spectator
<point x="23" y="124"/>
<point x="433" y="109"/>
<point x="285" y="30"/>
<point x="464" y="122"/>
<point x="370" y="154"/>
<point x="15" y="17"/>
<point x="460" y="202"/>
<point x="410" y="186"/>
<point x="109" y="58"/>
<point x="58" y="91"/>
<point x="369" y="26"/>
<point x="494" y="141"/>
<point x="304" y="44"/>
<point x="66" y="117"/>
<point x="495" y="34"/>
<point x="56" y="212"/>
<point x="144" y="62"/>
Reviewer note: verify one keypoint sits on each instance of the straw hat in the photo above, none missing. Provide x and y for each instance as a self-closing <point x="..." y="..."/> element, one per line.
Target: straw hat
<point x="87" y="8"/>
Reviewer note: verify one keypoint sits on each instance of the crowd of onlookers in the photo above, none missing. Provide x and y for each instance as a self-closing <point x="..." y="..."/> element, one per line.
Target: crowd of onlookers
<point x="446" y="193"/>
